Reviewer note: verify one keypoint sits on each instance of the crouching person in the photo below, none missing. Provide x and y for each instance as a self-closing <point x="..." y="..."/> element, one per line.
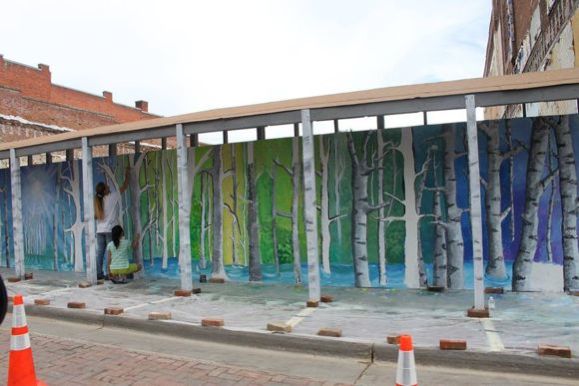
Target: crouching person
<point x="119" y="252"/>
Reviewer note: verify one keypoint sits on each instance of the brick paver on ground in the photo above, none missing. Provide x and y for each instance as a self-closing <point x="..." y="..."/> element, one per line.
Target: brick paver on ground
<point x="66" y="362"/>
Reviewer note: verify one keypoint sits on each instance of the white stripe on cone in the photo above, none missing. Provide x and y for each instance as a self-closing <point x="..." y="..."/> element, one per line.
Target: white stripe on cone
<point x="406" y="370"/>
<point x="18" y="316"/>
<point x="20" y="342"/>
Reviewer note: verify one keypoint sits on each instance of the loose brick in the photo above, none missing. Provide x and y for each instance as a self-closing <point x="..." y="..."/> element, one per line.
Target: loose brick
<point x="217" y="280"/>
<point x="279" y="327"/>
<point x="452" y="344"/>
<point x="13" y="279"/>
<point x="474" y="313"/>
<point x="28" y="276"/>
<point x="159" y="316"/>
<point x="196" y="290"/>
<point x="333" y="332"/>
<point x="42" y="302"/>
<point x="114" y="311"/>
<point x="203" y="278"/>
<point x="76" y="305"/>
<point x="559" y="351"/>
<point x="494" y="290"/>
<point x="312" y="303"/>
<point x="184" y="293"/>
<point x="84" y="284"/>
<point x="393" y="339"/>
<point x="212" y="322"/>
<point x="326" y="299"/>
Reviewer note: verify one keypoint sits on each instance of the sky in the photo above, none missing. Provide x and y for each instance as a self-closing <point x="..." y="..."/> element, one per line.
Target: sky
<point x="186" y="56"/>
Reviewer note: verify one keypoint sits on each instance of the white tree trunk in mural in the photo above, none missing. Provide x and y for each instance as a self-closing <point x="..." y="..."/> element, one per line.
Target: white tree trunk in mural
<point x="381" y="223"/>
<point x="535" y="186"/>
<point x="296" y="179"/>
<point x="361" y="207"/>
<point x="5" y="239"/>
<point x="454" y="237"/>
<point x="568" y="189"/>
<point x="495" y="215"/>
<point x="218" y="267"/>
<point x="202" y="254"/>
<point x="55" y="241"/>
<point x="338" y="175"/>
<point x="136" y="161"/>
<point x="325" y="219"/>
<point x="254" y="255"/>
<point x="274" y="213"/>
<point x="415" y="271"/>
<point x="295" y="174"/>
<point x="440" y="257"/>
<point x="18" y="235"/>
<point x="76" y="229"/>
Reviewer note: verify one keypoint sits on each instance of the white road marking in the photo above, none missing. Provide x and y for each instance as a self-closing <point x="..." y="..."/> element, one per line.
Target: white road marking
<point x="493" y="336"/>
<point x="300" y="316"/>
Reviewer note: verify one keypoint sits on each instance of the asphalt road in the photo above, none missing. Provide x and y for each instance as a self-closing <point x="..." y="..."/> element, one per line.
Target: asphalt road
<point x="72" y="353"/>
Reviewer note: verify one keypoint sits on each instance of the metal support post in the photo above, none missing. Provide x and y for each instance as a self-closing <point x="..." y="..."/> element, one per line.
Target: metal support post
<point x="184" y="205"/>
<point x="88" y="203"/>
<point x="310" y="214"/>
<point x="475" y="203"/>
<point x="17" y="230"/>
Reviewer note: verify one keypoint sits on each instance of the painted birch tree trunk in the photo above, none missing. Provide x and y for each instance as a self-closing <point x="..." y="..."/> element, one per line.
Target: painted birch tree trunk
<point x="235" y="237"/>
<point x="325" y="205"/>
<point x="55" y="240"/>
<point x="359" y="216"/>
<point x="412" y="278"/>
<point x="76" y="229"/>
<point x="254" y="255"/>
<point x="381" y="222"/>
<point x="6" y="240"/>
<point x="534" y="189"/>
<point x="202" y="254"/>
<point x="218" y="268"/>
<point x="496" y="265"/>
<point x="274" y="219"/>
<point x="184" y="199"/>
<point x="89" y="219"/>
<point x="338" y="174"/>
<point x="296" y="173"/>
<point x="548" y="236"/>
<point x="440" y="258"/>
<point x="568" y="191"/>
<point x="136" y="162"/>
<point x="454" y="237"/>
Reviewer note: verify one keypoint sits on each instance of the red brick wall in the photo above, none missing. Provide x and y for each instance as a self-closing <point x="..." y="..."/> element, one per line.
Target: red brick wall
<point x="29" y="93"/>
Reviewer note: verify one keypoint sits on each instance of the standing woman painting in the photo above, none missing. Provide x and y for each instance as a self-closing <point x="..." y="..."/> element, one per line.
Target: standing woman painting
<point x="106" y="210"/>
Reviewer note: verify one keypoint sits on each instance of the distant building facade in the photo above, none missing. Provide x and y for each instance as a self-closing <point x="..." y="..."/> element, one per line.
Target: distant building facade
<point x="528" y="36"/>
<point x="32" y="106"/>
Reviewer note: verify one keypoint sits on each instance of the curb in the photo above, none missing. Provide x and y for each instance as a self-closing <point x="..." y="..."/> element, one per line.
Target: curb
<point x="475" y="360"/>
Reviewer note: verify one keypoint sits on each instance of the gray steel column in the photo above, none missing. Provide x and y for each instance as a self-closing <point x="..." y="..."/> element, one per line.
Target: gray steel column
<point x="69" y="155"/>
<point x="260" y="133"/>
<point x="475" y="203"/>
<point x="137" y="146"/>
<point x="88" y="204"/>
<point x="17" y="230"/>
<point x="164" y="143"/>
<point x="48" y="158"/>
<point x="193" y="140"/>
<point x="184" y="204"/>
<point x="225" y="137"/>
<point x="310" y="214"/>
<point x="113" y="150"/>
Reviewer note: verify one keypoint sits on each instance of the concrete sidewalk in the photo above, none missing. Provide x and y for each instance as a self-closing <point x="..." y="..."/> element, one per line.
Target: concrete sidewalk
<point x="366" y="317"/>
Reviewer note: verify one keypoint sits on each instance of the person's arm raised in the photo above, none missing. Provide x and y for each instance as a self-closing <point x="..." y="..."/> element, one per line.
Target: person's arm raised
<point x="125" y="185"/>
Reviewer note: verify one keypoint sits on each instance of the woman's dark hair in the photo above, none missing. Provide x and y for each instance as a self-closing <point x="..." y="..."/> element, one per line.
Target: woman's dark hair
<point x="99" y="212"/>
<point x="116" y="233"/>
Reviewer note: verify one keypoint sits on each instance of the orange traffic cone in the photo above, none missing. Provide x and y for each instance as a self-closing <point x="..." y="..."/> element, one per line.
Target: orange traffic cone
<point x="406" y="370"/>
<point x="21" y="365"/>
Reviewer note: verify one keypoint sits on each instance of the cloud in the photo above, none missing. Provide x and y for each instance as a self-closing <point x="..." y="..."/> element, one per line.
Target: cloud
<point x="185" y="56"/>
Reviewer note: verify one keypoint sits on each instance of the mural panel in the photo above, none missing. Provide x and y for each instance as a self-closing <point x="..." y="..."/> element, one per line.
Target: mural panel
<point x="392" y="208"/>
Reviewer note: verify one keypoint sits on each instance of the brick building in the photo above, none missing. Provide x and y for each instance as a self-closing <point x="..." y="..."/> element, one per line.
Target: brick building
<point x="31" y="106"/>
<point x="532" y="35"/>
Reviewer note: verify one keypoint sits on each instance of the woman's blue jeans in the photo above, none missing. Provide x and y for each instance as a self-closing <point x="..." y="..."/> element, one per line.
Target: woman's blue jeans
<point x="102" y="241"/>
